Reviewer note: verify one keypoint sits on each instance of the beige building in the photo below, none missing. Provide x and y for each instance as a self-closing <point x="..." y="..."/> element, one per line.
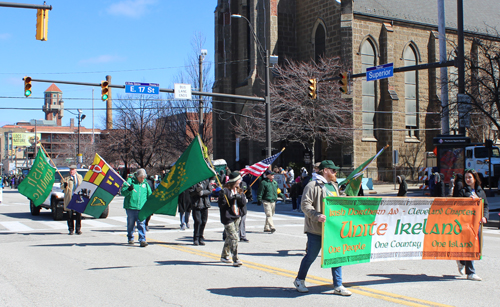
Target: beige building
<point x="402" y="111"/>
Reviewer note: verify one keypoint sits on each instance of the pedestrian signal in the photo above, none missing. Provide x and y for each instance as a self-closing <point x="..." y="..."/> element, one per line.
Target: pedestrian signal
<point x="104" y="90"/>
<point x="27" y="86"/>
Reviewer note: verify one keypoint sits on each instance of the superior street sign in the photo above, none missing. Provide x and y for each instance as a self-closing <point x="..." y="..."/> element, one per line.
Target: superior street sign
<point x="142" y="88"/>
<point x="380" y="72"/>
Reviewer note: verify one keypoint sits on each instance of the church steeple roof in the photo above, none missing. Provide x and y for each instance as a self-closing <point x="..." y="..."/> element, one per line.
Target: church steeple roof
<point x="53" y="88"/>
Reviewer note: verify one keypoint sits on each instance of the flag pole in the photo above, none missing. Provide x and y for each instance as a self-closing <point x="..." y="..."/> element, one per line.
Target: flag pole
<point x="46" y="153"/>
<point x="259" y="176"/>
<point x="376" y="156"/>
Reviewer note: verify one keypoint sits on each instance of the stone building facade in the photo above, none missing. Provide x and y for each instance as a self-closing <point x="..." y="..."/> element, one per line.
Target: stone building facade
<point x="400" y="111"/>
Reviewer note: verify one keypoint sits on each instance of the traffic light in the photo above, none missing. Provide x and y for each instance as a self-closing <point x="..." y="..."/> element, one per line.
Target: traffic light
<point x="344" y="81"/>
<point x="42" y="24"/>
<point x="313" y="88"/>
<point x="104" y="90"/>
<point x="27" y="86"/>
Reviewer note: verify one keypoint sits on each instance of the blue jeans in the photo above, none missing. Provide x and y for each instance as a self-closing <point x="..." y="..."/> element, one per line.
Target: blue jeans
<point x="313" y="248"/>
<point x="132" y="219"/>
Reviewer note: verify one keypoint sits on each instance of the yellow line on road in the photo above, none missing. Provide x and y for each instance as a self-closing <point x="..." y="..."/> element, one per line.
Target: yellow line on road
<point x="378" y="294"/>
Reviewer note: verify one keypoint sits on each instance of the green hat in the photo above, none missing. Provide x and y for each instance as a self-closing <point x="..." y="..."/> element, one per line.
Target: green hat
<point x="328" y="164"/>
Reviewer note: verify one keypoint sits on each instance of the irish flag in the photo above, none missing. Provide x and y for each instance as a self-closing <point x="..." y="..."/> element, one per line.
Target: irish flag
<point x="368" y="229"/>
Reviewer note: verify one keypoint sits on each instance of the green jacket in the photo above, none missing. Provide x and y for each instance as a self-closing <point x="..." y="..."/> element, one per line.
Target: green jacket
<point x="268" y="191"/>
<point x="134" y="200"/>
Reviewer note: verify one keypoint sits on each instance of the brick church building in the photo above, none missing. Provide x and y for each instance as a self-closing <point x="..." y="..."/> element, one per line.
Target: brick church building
<point x="400" y="111"/>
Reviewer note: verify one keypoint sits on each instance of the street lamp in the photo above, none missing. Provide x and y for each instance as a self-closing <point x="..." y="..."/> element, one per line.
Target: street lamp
<point x="264" y="54"/>
<point x="80" y="117"/>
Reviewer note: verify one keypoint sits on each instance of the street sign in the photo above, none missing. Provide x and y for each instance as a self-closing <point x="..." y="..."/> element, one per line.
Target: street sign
<point x="182" y="91"/>
<point x="380" y="72"/>
<point x="142" y="88"/>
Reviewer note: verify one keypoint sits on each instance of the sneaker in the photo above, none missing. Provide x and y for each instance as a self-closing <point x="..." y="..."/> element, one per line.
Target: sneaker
<point x="273" y="230"/>
<point x="300" y="285"/>
<point x="202" y="241"/>
<point x="187" y="225"/>
<point x="245" y="240"/>
<point x="131" y="242"/>
<point x="341" y="290"/>
<point x="474" y="277"/>
<point x="237" y="263"/>
<point x="147" y="228"/>
<point x="461" y="268"/>
<point x="144" y="243"/>
<point x="267" y="230"/>
<point x="183" y="227"/>
<point x="70" y="233"/>
<point x="225" y="260"/>
<point x="78" y="232"/>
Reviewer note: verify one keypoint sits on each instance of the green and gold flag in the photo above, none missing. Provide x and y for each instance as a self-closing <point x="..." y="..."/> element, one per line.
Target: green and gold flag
<point x="354" y="179"/>
<point x="189" y="169"/>
<point x="38" y="184"/>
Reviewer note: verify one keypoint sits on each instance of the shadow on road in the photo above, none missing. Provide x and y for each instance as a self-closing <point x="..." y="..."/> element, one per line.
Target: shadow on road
<point x="269" y="292"/>
<point x="184" y="262"/>
<point x="287" y="252"/>
<point x="400" y="278"/>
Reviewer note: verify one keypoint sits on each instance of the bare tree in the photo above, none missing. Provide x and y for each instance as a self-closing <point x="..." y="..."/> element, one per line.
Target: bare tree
<point x="184" y="114"/>
<point x="482" y="85"/>
<point x="294" y="116"/>
<point x="410" y="155"/>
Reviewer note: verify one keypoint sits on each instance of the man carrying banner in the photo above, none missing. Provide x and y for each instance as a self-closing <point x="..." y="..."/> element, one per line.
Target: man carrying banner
<point x="136" y="194"/>
<point x="325" y="184"/>
<point x="69" y="185"/>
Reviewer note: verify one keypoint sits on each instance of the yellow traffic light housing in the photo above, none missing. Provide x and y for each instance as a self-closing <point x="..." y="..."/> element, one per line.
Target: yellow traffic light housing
<point x="313" y="88"/>
<point x="42" y="24"/>
<point x="344" y="82"/>
<point x="104" y="90"/>
<point x="27" y="86"/>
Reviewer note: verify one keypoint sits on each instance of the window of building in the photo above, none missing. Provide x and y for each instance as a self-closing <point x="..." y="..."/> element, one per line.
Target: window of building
<point x="319" y="42"/>
<point x="368" y="60"/>
<point x="411" y="93"/>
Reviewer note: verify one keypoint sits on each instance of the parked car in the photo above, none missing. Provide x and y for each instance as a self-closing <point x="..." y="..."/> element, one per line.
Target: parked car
<point x="55" y="201"/>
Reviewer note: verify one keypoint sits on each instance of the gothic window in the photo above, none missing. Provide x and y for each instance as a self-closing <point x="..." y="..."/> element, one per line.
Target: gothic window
<point x="319" y="42"/>
<point x="368" y="60"/>
<point x="411" y="93"/>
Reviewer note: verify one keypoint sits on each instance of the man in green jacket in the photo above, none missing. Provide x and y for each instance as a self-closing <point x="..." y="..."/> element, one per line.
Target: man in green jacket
<point x="268" y="194"/>
<point x="136" y="194"/>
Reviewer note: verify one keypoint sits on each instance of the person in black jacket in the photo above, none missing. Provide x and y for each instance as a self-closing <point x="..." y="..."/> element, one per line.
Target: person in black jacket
<point x="458" y="184"/>
<point x="243" y="215"/>
<point x="439" y="188"/>
<point x="231" y="202"/>
<point x="184" y="207"/>
<point x="403" y="186"/>
<point x="200" y="202"/>
<point x="472" y="189"/>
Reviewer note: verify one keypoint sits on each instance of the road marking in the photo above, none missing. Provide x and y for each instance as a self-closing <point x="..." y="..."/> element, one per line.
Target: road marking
<point x="96" y="224"/>
<point x="15" y="226"/>
<point x="56" y="225"/>
<point x="378" y="294"/>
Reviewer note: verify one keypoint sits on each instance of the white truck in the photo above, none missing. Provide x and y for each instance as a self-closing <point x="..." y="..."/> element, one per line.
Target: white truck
<point x="476" y="157"/>
<point x="55" y="201"/>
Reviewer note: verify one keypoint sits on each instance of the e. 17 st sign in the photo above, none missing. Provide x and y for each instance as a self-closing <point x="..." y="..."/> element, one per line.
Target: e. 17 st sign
<point x="380" y="72"/>
<point x="142" y="88"/>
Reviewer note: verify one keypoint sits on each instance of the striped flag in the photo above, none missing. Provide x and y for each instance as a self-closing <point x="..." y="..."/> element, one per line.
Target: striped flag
<point x="260" y="167"/>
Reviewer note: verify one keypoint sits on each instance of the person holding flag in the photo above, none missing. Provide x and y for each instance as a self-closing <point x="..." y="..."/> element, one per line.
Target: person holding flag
<point x="325" y="184"/>
<point x="136" y="193"/>
<point x="69" y="185"/>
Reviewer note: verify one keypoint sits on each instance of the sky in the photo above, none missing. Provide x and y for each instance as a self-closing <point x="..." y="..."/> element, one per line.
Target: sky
<point x="147" y="41"/>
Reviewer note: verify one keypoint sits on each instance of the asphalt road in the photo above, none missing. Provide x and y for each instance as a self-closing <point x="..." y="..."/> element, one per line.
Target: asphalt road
<point x="40" y="265"/>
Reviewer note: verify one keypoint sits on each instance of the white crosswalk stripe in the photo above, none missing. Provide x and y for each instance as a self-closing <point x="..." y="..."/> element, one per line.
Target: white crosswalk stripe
<point x="121" y="222"/>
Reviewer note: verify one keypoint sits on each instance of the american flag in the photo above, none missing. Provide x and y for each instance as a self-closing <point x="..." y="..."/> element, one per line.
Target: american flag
<point x="260" y="167"/>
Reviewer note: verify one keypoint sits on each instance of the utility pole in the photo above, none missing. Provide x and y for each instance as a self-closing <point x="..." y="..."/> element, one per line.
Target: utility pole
<point x="200" y="88"/>
<point x="461" y="60"/>
<point x="445" y="118"/>
<point x="109" y="107"/>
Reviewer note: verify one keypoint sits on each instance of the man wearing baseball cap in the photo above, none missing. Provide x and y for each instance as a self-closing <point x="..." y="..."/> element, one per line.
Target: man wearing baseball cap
<point x="268" y="194"/>
<point x="324" y="184"/>
<point x="69" y="185"/>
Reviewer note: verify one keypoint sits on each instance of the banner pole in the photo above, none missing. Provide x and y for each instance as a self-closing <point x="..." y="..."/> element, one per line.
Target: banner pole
<point x="46" y="153"/>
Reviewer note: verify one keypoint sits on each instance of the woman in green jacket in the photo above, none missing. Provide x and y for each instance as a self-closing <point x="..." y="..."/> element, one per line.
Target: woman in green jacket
<point x="136" y="194"/>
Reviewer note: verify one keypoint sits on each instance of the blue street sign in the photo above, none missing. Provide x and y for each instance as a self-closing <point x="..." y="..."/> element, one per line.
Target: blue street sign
<point x="142" y="88"/>
<point x="380" y="72"/>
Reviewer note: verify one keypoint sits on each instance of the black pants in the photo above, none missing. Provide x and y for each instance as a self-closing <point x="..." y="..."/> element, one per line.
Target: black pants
<point x="200" y="217"/>
<point x="72" y="217"/>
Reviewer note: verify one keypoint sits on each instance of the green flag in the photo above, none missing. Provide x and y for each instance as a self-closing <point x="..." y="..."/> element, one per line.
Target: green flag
<point x="38" y="184"/>
<point x="190" y="169"/>
<point x="353" y="181"/>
